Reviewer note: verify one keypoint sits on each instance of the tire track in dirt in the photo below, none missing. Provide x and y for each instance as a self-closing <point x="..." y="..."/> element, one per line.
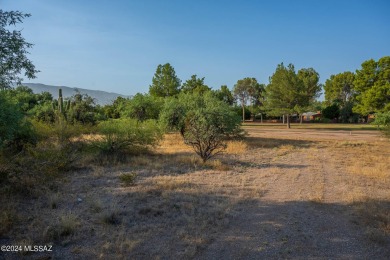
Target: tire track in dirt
<point x="301" y="216"/>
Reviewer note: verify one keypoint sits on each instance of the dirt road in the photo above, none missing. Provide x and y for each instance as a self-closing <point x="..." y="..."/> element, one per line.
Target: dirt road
<point x="307" y="209"/>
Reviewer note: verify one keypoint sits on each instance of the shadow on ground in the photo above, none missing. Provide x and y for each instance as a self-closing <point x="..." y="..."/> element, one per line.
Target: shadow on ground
<point x="260" y="142"/>
<point x="176" y="224"/>
<point x="304" y="230"/>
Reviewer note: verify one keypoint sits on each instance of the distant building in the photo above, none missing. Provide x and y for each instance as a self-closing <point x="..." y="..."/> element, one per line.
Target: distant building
<point x="311" y="116"/>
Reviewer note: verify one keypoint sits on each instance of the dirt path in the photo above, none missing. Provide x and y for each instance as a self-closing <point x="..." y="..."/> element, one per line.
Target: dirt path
<point x="299" y="216"/>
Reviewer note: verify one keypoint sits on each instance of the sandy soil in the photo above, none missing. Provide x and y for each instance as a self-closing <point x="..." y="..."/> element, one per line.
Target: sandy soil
<point x="306" y="209"/>
<point x="293" y="194"/>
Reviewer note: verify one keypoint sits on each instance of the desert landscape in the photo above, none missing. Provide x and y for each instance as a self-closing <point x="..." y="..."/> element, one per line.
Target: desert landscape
<point x="194" y="130"/>
<point x="304" y="192"/>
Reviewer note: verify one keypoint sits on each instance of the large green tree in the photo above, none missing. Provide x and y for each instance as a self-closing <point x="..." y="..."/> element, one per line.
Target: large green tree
<point x="195" y="85"/>
<point x="257" y="97"/>
<point x="285" y="92"/>
<point x="14" y="50"/>
<point x="311" y="89"/>
<point x="165" y="83"/>
<point x="372" y="86"/>
<point x="243" y="90"/>
<point x="224" y="94"/>
<point x="339" y="88"/>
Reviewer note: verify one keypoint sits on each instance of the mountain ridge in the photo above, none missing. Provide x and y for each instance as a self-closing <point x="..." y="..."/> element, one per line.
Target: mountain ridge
<point x="101" y="97"/>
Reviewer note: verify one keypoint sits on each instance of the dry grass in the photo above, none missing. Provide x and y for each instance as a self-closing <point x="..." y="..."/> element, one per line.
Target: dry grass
<point x="236" y="147"/>
<point x="66" y="225"/>
<point x="7" y="220"/>
<point x="178" y="205"/>
<point x="376" y="217"/>
<point x="173" y="144"/>
<point x="285" y="149"/>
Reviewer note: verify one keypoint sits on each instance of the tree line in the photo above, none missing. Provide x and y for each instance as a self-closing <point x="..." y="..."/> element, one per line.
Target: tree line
<point x="205" y="117"/>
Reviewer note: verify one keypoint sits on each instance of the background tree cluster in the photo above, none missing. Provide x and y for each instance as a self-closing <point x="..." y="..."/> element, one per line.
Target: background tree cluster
<point x="205" y="117"/>
<point x="367" y="91"/>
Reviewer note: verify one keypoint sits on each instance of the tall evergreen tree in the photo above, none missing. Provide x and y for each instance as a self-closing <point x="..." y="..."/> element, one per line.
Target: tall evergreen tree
<point x="165" y="83"/>
<point x="284" y="94"/>
<point x="224" y="94"/>
<point x="195" y="85"/>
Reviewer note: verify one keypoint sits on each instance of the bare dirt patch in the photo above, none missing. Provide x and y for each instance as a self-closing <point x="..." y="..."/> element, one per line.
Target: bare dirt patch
<point x="303" y="193"/>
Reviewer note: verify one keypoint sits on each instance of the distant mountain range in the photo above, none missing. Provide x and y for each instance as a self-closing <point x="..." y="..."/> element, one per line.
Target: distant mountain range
<point x="101" y="97"/>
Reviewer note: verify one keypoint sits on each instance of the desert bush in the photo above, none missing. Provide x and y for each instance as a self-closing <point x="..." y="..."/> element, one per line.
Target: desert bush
<point x="10" y="119"/>
<point x="43" y="112"/>
<point x="128" y="179"/>
<point x="142" y="107"/>
<point x="204" y="122"/>
<point x="37" y="165"/>
<point x="205" y="131"/>
<point x="15" y="130"/>
<point x="126" y="135"/>
<point x="382" y="120"/>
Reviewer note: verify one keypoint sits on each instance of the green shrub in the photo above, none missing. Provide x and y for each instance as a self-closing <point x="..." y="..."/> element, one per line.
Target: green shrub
<point x="142" y="107"/>
<point x="382" y="120"/>
<point x="10" y="119"/>
<point x="128" y="179"/>
<point x="126" y="135"/>
<point x="204" y="122"/>
<point x="15" y="130"/>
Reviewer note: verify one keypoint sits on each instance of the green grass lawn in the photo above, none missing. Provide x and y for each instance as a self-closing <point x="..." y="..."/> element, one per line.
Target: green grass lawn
<point x="319" y="126"/>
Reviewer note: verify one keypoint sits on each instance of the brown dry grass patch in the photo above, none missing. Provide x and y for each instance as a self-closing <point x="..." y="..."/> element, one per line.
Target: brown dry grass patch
<point x="176" y="200"/>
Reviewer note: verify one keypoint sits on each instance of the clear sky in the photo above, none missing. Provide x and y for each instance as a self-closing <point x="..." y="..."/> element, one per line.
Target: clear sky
<point x="115" y="45"/>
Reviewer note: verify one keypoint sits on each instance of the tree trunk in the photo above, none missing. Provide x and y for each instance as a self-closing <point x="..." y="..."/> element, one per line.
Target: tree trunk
<point x="261" y="118"/>
<point x="283" y="119"/>
<point x="243" y="113"/>
<point x="301" y="118"/>
<point x="288" y="121"/>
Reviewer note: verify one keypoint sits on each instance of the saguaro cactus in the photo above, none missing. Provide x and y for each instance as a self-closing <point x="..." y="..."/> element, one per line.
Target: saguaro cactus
<point x="58" y="105"/>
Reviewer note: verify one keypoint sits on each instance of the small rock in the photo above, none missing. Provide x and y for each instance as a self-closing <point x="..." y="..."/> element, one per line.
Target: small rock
<point x="79" y="199"/>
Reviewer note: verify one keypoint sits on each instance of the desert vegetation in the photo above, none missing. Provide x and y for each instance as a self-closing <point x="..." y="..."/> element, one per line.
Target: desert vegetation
<point x="179" y="173"/>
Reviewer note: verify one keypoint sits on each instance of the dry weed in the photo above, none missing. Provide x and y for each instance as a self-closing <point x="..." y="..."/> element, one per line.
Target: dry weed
<point x="285" y="149"/>
<point x="218" y="165"/>
<point x="172" y="144"/>
<point x="236" y="147"/>
<point x="170" y="183"/>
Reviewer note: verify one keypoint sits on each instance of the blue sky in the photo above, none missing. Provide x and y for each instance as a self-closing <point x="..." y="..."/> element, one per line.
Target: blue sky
<point x="116" y="45"/>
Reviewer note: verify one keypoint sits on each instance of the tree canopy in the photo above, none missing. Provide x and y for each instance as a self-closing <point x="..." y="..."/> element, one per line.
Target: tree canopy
<point x="283" y="93"/>
<point x="195" y="85"/>
<point x="372" y="86"/>
<point x="224" y="94"/>
<point x="165" y="83"/>
<point x="243" y="90"/>
<point x="14" y="50"/>
<point x="339" y="88"/>
<point x="289" y="92"/>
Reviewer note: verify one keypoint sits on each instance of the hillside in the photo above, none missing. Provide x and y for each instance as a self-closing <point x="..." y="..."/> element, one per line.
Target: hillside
<point x="101" y="97"/>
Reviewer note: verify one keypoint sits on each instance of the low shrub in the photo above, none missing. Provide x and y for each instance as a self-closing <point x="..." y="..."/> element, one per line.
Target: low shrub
<point x="128" y="179"/>
<point x="382" y="120"/>
<point x="126" y="135"/>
